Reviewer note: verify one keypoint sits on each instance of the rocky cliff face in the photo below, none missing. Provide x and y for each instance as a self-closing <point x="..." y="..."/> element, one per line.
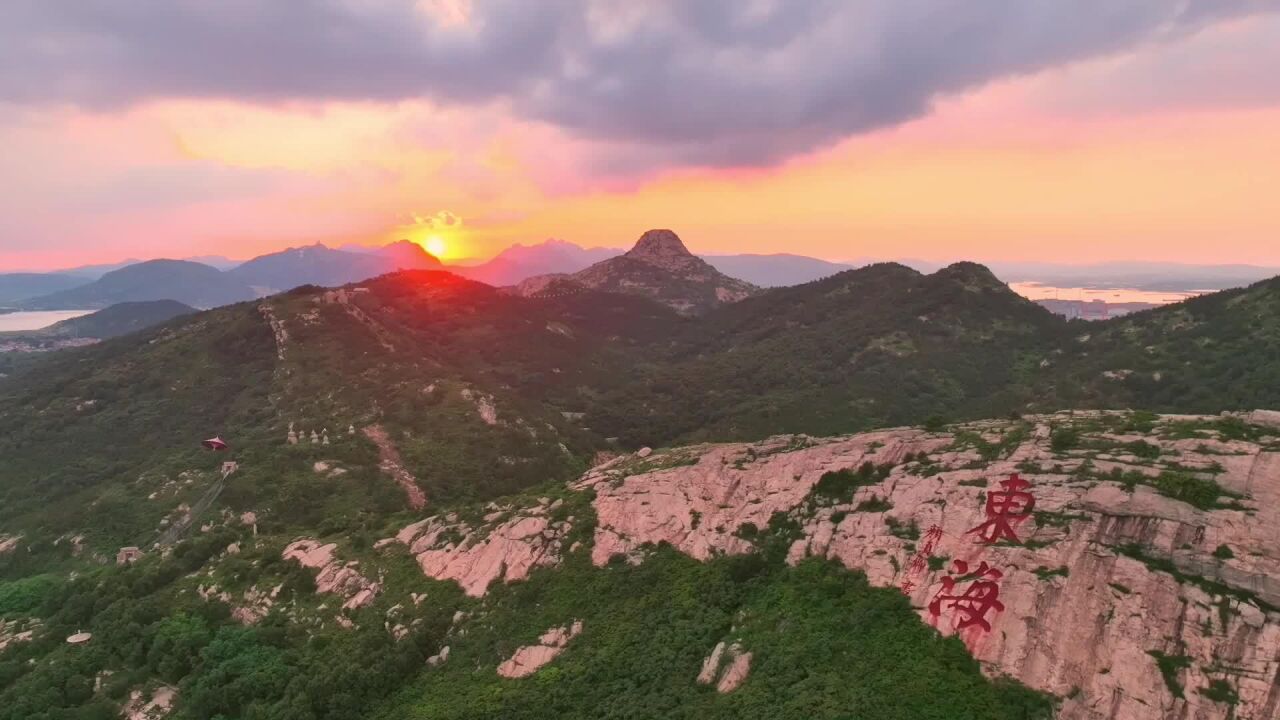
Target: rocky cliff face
<point x="1117" y="596"/>
<point x="665" y="249"/>
<point x="1133" y="569"/>
<point x="659" y="266"/>
<point x="506" y="543"/>
<point x="528" y="659"/>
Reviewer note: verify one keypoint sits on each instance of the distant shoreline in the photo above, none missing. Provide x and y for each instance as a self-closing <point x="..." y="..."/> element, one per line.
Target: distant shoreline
<point x="29" y="321"/>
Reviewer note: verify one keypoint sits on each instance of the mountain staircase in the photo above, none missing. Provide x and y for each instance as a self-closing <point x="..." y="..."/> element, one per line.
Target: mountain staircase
<point x="178" y="530"/>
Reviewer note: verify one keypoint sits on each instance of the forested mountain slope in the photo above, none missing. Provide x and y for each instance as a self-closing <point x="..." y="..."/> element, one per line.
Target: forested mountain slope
<point x="459" y="419"/>
<point x="447" y="367"/>
<point x="1209" y="353"/>
<point x="877" y="346"/>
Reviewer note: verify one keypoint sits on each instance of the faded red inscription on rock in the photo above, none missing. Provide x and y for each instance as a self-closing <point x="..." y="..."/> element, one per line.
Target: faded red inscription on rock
<point x="921" y="559"/>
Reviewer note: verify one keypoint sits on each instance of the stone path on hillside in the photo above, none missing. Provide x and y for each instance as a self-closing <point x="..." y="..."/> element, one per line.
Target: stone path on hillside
<point x="392" y="465"/>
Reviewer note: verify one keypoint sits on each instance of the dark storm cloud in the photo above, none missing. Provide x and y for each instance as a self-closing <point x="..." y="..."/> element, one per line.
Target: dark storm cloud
<point x="707" y="81"/>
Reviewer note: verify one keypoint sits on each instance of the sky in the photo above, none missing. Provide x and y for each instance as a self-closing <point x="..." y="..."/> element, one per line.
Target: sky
<point x="1016" y="130"/>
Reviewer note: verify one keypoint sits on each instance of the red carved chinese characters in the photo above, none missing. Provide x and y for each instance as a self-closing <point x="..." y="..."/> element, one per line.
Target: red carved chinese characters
<point x="1006" y="509"/>
<point x="920" y="560"/>
<point x="981" y="596"/>
<point x="931" y="539"/>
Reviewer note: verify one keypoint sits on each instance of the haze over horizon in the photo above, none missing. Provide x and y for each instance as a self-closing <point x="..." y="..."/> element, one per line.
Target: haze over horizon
<point x="1014" y="132"/>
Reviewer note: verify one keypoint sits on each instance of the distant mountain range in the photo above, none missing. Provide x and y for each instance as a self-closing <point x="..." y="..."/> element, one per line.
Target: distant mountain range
<point x="187" y="282"/>
<point x="15" y="287"/>
<point x="319" y="265"/>
<point x="204" y="286"/>
<point x="520" y="262"/>
<point x="214" y="280"/>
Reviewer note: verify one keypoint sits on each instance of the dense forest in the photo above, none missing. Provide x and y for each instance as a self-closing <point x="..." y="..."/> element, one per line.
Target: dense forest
<point x="487" y="395"/>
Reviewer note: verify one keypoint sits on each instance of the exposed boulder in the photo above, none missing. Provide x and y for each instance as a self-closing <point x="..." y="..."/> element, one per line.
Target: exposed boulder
<point x="485" y="406"/>
<point x="13" y="632"/>
<point x="727" y="667"/>
<point x="711" y="665"/>
<point x="528" y="659"/>
<point x="1267" y="418"/>
<point x="505" y="545"/>
<point x="439" y="658"/>
<point x="333" y="576"/>
<point x="153" y="707"/>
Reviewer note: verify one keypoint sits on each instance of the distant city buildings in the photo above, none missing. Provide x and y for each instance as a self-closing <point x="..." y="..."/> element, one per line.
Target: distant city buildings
<point x="1092" y="309"/>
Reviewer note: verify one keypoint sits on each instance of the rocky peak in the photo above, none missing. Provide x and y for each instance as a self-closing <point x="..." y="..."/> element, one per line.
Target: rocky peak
<point x="971" y="275"/>
<point x="409" y="255"/>
<point x="659" y="244"/>
<point x="659" y="267"/>
<point x="664" y="249"/>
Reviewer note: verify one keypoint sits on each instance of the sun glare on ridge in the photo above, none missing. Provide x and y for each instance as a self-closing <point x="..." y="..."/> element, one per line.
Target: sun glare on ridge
<point x="435" y="245"/>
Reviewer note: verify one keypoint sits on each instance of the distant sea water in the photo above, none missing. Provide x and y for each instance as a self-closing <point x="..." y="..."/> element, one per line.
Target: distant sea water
<point x="1037" y="291"/>
<point x="36" y="319"/>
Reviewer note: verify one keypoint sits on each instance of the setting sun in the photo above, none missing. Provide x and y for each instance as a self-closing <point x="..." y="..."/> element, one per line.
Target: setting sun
<point x="435" y="245"/>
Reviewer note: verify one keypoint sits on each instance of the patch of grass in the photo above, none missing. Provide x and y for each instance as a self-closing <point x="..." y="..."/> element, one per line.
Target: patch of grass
<point x="903" y="531"/>
<point x="1056" y="519"/>
<point x="1221" y="691"/>
<point x="1045" y="573"/>
<point x="875" y="504"/>
<point x="991" y="450"/>
<point x="1143" y="449"/>
<point x="977" y="482"/>
<point x="838" y="486"/>
<point x="1063" y="439"/>
<point x="1233" y="428"/>
<point x="1186" y="430"/>
<point x="1141" y="421"/>
<point x="1223" y="553"/>
<point x="1177" y="484"/>
<point x="937" y="562"/>
<point x="1190" y="489"/>
<point x="1170" y="666"/>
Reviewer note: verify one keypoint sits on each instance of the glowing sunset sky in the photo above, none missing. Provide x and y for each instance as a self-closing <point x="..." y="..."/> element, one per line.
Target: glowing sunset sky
<point x="977" y="129"/>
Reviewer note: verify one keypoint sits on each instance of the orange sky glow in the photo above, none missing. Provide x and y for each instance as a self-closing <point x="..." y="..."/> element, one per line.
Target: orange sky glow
<point x="1050" y="166"/>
